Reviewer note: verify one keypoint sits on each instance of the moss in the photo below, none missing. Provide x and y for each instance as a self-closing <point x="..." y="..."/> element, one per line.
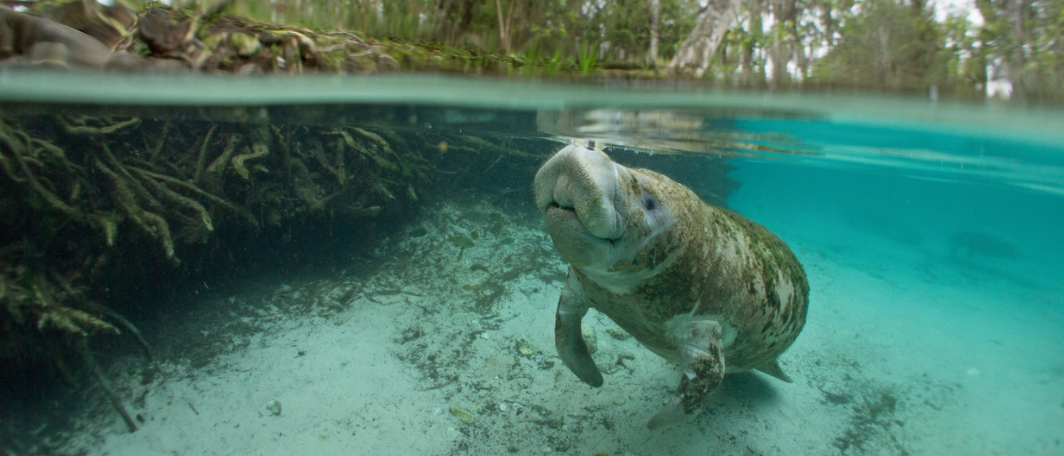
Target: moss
<point x="245" y="45"/>
<point x="333" y="61"/>
<point x="212" y="40"/>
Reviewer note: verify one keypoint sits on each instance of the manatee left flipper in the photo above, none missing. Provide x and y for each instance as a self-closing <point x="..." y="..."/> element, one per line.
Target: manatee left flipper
<point x="703" y="352"/>
<point x="569" y="339"/>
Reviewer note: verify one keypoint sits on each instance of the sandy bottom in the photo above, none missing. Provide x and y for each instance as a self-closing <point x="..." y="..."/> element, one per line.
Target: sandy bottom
<point x="903" y="353"/>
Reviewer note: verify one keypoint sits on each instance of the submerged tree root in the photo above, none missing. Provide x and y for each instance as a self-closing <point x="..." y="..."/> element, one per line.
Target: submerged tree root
<point x="60" y="311"/>
<point x="152" y="224"/>
<point x="82" y="346"/>
<point x="125" y="324"/>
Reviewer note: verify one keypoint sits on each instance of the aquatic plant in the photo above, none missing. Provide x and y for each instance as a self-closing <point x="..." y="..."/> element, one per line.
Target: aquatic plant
<point x="587" y="59"/>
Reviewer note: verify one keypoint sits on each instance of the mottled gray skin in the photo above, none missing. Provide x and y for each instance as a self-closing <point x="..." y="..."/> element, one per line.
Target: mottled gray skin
<point x="698" y="285"/>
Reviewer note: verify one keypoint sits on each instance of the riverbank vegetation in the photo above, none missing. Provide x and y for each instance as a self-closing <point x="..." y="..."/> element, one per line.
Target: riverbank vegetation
<point x="893" y="45"/>
<point x="996" y="48"/>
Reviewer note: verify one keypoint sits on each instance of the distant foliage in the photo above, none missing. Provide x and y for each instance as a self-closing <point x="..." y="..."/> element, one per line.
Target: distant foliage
<point x="894" y="45"/>
<point x="889" y="45"/>
<point x="1024" y="40"/>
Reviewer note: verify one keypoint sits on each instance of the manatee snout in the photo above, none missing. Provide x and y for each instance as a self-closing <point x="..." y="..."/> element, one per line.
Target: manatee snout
<point x="581" y="185"/>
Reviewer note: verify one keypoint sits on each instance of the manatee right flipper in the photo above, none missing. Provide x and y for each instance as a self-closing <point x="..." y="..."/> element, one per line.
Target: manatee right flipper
<point x="703" y="372"/>
<point x="568" y="338"/>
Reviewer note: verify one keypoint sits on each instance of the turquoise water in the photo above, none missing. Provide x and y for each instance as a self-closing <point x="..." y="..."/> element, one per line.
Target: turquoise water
<point x="931" y="234"/>
<point x="953" y="246"/>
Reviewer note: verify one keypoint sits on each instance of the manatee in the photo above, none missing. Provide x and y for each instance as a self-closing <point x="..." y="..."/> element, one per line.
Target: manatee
<point x="699" y="285"/>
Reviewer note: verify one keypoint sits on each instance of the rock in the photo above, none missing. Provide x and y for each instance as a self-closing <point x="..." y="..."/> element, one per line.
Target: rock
<point x="274" y="407"/>
<point x="460" y="241"/>
<point x="526" y="349"/>
<point x="556" y="420"/>
<point x="48" y="43"/>
<point x="246" y="45"/>
<point x="462" y="415"/>
<point x="589" y="338"/>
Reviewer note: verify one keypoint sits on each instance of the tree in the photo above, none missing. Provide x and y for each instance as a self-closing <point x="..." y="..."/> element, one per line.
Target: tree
<point x="655" y="12"/>
<point x="1025" y="42"/>
<point x="888" y="45"/>
<point x="876" y="44"/>
<point x="697" y="50"/>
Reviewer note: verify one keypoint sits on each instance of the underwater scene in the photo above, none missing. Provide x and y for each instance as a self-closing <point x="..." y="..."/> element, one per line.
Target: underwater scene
<point x="402" y="265"/>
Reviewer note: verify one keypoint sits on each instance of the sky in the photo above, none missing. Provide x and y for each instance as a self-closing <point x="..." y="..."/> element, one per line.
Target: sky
<point x="944" y="7"/>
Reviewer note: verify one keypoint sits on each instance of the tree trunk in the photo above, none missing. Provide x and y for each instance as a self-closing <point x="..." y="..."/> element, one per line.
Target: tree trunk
<point x="779" y="62"/>
<point x="505" y="24"/>
<point x="1019" y="60"/>
<point x="785" y="12"/>
<point x="467" y="17"/>
<point x="696" y="51"/>
<point x="797" y="49"/>
<point x="829" y="24"/>
<point x="652" y="54"/>
<point x="747" y="61"/>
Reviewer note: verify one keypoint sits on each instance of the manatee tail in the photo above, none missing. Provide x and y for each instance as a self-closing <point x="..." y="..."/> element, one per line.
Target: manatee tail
<point x="775" y="370"/>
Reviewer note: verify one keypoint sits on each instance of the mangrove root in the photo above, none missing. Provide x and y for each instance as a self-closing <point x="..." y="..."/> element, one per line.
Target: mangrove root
<point x="125" y="324"/>
<point x="151" y="223"/>
<point x="259" y="150"/>
<point x="202" y="160"/>
<point x="82" y="346"/>
<point x="212" y="176"/>
<point x="79" y="126"/>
